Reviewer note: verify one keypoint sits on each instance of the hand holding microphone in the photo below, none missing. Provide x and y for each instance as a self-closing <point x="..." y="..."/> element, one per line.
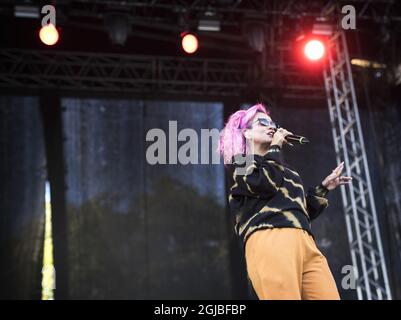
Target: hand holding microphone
<point x="284" y="136"/>
<point x="279" y="137"/>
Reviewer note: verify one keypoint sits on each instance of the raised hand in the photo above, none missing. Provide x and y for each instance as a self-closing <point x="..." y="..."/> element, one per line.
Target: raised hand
<point x="335" y="179"/>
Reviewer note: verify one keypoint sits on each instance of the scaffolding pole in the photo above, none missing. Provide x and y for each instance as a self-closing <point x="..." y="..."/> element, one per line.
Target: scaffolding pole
<point x="358" y="200"/>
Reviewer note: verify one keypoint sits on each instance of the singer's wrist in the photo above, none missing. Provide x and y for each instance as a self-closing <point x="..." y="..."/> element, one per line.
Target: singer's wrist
<point x="277" y="143"/>
<point x="274" y="147"/>
<point x="273" y="152"/>
<point x="321" y="190"/>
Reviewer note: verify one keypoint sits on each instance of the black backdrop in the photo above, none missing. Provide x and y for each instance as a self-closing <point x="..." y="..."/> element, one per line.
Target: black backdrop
<point x="22" y="197"/>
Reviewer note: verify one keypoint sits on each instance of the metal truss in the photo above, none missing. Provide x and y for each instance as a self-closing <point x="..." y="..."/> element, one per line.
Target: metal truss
<point x="377" y="10"/>
<point x="162" y="10"/>
<point x="115" y="72"/>
<point x="160" y="20"/>
<point x="143" y="74"/>
<point x="358" y="199"/>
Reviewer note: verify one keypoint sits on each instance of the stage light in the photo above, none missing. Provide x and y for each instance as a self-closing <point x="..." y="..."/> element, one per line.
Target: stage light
<point x="208" y="25"/>
<point x="314" y="50"/>
<point x="311" y="46"/>
<point x="255" y="34"/>
<point x="118" y="26"/>
<point x="364" y="63"/>
<point x="189" y="43"/>
<point x="49" y="35"/>
<point x="26" y="12"/>
<point x="209" y="21"/>
<point x="322" y="29"/>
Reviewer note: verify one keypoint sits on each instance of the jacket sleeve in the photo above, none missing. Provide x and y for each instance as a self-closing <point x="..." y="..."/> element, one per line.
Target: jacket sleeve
<point x="316" y="201"/>
<point x="260" y="176"/>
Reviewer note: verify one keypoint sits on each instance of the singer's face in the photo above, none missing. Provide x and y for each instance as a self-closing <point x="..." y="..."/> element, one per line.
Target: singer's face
<point x="262" y="128"/>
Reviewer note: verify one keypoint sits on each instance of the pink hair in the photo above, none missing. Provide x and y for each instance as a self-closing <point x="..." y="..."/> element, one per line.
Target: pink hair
<point x="232" y="140"/>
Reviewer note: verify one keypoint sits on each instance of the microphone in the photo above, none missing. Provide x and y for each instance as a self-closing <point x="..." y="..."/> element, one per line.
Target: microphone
<point x="296" y="138"/>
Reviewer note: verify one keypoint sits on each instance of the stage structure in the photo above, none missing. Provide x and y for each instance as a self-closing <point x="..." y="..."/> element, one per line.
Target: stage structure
<point x="358" y="199"/>
<point x="83" y="71"/>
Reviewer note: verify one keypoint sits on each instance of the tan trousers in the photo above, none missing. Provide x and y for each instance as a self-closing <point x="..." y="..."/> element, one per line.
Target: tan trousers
<point x="285" y="264"/>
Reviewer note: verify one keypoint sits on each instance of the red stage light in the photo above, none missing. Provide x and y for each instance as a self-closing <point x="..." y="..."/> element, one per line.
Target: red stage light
<point x="49" y="35"/>
<point x="189" y="43"/>
<point x="314" y="50"/>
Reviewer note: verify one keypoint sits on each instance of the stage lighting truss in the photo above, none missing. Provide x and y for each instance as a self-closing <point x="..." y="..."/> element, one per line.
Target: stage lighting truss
<point x="273" y="71"/>
<point x="105" y="72"/>
<point x="377" y="10"/>
<point x="358" y="199"/>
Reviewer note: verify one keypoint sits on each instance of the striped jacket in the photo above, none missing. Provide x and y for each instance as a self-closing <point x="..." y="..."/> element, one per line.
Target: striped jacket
<point x="267" y="194"/>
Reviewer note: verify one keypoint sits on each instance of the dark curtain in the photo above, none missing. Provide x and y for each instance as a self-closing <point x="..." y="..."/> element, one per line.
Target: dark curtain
<point x="135" y="230"/>
<point x="384" y="151"/>
<point x="22" y="197"/>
